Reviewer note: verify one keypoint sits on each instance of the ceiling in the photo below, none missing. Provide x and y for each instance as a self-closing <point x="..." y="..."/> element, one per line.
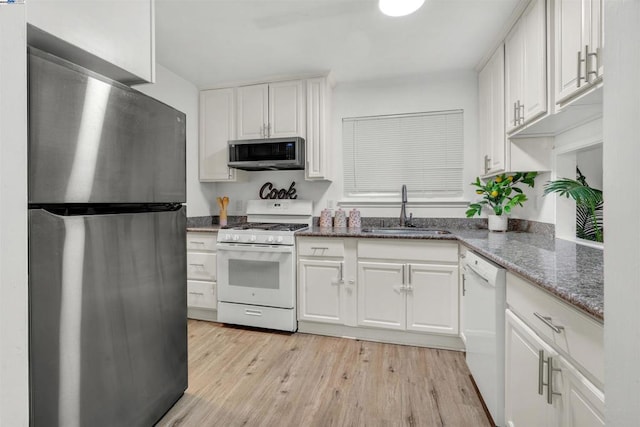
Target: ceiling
<point x="215" y="42"/>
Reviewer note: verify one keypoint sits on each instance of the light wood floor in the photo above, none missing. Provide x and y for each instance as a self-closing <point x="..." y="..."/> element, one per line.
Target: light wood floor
<point x="243" y="377"/>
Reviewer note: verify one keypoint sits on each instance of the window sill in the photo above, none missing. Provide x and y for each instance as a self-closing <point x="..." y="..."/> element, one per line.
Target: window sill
<point x="385" y="203"/>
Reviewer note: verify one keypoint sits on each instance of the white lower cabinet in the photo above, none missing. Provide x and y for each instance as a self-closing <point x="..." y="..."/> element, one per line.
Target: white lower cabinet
<point x="408" y="296"/>
<point x="381" y="295"/>
<point x="554" y="374"/>
<point x="320" y="289"/>
<point x="526" y="376"/>
<point x="202" y="302"/>
<point x="584" y="403"/>
<point x="432" y="300"/>
<point x="379" y="289"/>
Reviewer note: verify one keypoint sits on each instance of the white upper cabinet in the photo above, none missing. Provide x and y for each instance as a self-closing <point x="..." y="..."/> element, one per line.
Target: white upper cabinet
<point x="491" y="112"/>
<point x="317" y="143"/>
<point x="121" y="36"/>
<point x="286" y="109"/>
<point x="526" y="67"/>
<point x="272" y="110"/>
<point x="578" y="47"/>
<point x="217" y="127"/>
<point x="253" y="111"/>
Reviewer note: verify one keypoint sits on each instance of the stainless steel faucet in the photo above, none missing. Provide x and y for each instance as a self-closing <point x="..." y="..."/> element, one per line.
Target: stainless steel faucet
<point x="404" y="221"/>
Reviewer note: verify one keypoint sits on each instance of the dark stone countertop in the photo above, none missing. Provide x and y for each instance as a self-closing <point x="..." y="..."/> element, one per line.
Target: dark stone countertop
<point x="572" y="272"/>
<point x="204" y="229"/>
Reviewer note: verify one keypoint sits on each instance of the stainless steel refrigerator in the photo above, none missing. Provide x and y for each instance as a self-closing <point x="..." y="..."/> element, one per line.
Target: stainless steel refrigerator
<point x="107" y="255"/>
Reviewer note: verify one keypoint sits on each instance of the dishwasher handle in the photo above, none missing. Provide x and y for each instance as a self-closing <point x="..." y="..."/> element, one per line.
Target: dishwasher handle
<point x="469" y="268"/>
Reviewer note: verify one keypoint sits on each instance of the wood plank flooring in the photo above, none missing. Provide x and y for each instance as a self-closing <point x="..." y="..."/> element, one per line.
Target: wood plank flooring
<point x="245" y="377"/>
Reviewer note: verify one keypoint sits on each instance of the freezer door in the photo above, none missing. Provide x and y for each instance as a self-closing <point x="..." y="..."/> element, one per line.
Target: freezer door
<point x="92" y="140"/>
<point x="108" y="331"/>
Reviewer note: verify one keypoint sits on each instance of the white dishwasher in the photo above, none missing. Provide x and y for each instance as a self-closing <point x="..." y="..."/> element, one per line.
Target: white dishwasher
<point x="484" y="296"/>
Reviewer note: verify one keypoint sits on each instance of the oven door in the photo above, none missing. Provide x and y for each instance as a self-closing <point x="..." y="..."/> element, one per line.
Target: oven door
<point x="256" y="274"/>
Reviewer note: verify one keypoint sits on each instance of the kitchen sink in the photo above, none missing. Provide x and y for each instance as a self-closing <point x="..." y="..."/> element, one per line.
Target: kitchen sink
<point x="405" y="231"/>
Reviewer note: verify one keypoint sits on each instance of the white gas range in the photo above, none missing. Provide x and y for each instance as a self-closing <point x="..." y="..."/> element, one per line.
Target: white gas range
<point x="257" y="265"/>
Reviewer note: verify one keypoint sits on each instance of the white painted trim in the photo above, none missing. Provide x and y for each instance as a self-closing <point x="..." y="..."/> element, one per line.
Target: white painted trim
<point x="202" y="314"/>
<point x="273" y="79"/>
<point x="153" y="42"/>
<point x="506" y="29"/>
<point x="14" y="338"/>
<point x="382" y="335"/>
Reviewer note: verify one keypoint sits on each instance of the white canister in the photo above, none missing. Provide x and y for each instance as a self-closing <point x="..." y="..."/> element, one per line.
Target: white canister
<point x="325" y="218"/>
<point x="355" y="221"/>
<point x="498" y="222"/>
<point x="340" y="219"/>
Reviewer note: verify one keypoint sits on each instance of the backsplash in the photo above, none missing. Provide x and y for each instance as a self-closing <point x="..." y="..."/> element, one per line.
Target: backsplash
<point x="520" y="225"/>
<point x="204" y="221"/>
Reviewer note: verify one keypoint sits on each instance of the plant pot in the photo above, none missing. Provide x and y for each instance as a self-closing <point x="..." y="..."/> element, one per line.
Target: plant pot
<point x="498" y="222"/>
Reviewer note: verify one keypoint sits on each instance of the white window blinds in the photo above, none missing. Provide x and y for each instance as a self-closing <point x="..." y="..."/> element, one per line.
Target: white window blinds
<point x="423" y="151"/>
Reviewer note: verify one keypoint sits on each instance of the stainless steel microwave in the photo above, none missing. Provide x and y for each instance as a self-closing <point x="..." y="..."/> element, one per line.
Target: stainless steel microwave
<point x="267" y="154"/>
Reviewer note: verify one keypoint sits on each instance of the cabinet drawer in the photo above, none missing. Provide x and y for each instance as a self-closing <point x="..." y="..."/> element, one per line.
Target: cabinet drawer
<point x="408" y="250"/>
<point x="582" y="338"/>
<point x="321" y="247"/>
<point x="201" y="266"/>
<point x="201" y="294"/>
<point x="201" y="241"/>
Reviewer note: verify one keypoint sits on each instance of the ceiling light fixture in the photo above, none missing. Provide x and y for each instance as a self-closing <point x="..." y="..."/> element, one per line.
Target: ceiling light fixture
<point x="399" y="7"/>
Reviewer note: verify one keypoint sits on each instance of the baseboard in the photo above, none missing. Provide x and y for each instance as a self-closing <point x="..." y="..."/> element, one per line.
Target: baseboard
<point x="380" y="335"/>
<point x="202" y="314"/>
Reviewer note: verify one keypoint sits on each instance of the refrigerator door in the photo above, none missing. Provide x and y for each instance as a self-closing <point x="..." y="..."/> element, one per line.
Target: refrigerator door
<point x="93" y="140"/>
<point x="108" y="313"/>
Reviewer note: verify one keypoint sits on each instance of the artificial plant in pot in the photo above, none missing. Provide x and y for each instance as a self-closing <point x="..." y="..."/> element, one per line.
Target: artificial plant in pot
<point x="501" y="194"/>
<point x="589" y="205"/>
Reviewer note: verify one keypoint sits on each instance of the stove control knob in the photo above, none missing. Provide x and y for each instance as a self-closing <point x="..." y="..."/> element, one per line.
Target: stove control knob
<point x="280" y="239"/>
<point x="227" y="237"/>
<point x="236" y="237"/>
<point x="252" y="238"/>
<point x="270" y="239"/>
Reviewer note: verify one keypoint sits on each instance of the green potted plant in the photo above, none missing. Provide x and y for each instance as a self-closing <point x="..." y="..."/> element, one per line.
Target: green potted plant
<point x="589" y="205"/>
<point x="501" y="194"/>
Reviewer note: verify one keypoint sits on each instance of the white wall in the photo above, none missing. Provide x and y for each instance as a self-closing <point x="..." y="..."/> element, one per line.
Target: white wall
<point x="184" y="96"/>
<point x="447" y="91"/>
<point x="14" y="373"/>
<point x="622" y="222"/>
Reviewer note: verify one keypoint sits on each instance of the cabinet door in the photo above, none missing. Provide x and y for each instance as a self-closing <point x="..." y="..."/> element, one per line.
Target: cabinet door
<point x="569" y="40"/>
<point x="381" y="295"/>
<point x="286" y="109"/>
<point x="594" y="37"/>
<point x="252" y="108"/>
<point x="492" y="129"/>
<point x="534" y="22"/>
<point x="217" y="127"/>
<point x="583" y="402"/>
<point x="524" y="406"/>
<point x="121" y="37"/>
<point x="514" y="60"/>
<point x="320" y="286"/>
<point x="316" y="144"/>
<point x="432" y="298"/>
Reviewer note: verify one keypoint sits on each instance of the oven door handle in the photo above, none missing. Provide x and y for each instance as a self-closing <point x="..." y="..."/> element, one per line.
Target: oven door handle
<point x="231" y="247"/>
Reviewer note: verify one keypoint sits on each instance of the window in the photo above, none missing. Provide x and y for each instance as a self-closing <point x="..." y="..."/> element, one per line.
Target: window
<point x="422" y="150"/>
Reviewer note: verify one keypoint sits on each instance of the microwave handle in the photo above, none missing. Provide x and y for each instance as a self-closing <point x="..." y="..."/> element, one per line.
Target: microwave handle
<point x="232" y="247"/>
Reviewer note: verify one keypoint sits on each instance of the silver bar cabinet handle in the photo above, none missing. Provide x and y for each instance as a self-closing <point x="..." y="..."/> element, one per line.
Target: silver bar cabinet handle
<point x="515" y="114"/>
<point x="580" y="61"/>
<point x="541" y="362"/>
<point x="341" y="272"/>
<point x="548" y="321"/>
<point x="550" y="371"/>
<point x="588" y="66"/>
